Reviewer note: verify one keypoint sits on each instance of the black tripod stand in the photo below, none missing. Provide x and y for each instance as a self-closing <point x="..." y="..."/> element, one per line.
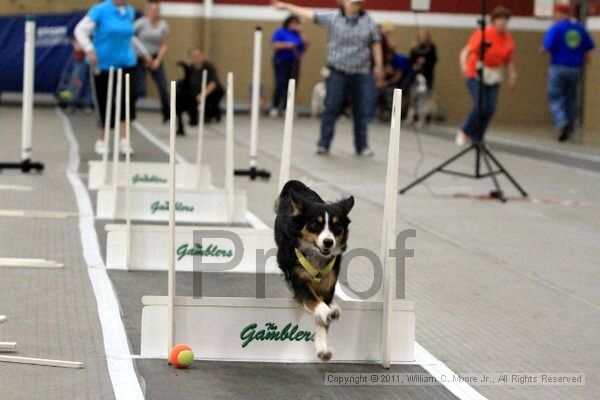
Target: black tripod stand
<point x="482" y="152"/>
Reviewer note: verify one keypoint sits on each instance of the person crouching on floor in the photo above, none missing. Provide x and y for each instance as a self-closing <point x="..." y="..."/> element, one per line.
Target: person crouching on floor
<point x="189" y="91"/>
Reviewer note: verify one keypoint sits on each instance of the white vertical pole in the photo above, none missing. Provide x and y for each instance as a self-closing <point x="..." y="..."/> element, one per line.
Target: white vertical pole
<point x="388" y="236"/>
<point x="28" y="85"/>
<point x="286" y="154"/>
<point x="255" y="106"/>
<point x="128" y="171"/>
<point x="171" y="265"/>
<point x="201" y="113"/>
<point x="115" y="169"/>
<point x="107" y="118"/>
<point x="229" y="167"/>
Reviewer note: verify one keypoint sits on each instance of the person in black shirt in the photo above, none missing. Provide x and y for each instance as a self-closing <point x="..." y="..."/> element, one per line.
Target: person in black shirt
<point x="189" y="91"/>
<point x="424" y="57"/>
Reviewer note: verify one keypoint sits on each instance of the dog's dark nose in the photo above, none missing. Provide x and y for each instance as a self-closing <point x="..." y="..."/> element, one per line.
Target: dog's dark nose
<point x="328" y="242"/>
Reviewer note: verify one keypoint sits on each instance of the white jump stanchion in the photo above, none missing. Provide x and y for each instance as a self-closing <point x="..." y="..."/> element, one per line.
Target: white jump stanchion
<point x="255" y="113"/>
<point x="117" y="136"/>
<point x="286" y="155"/>
<point x="171" y="264"/>
<point x="253" y="172"/>
<point x="276" y="330"/>
<point x="201" y="113"/>
<point x="229" y="168"/>
<point x="25" y="165"/>
<point x="28" y="82"/>
<point x="107" y="118"/>
<point x="128" y="167"/>
<point x="390" y="212"/>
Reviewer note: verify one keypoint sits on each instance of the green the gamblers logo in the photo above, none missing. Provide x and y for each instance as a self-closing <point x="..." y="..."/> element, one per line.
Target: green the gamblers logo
<point x="197" y="250"/>
<point x="164" y="206"/>
<point x="145" y="178"/>
<point x="271" y="333"/>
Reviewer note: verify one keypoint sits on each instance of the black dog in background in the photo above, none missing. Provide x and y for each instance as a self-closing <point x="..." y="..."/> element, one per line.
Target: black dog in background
<point x="188" y="90"/>
<point x="311" y="236"/>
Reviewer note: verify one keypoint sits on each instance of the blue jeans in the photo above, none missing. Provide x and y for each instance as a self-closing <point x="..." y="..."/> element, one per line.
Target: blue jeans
<point x="563" y="83"/>
<point x="284" y="71"/>
<point x="84" y="97"/>
<point x="359" y="90"/>
<point x="159" y="78"/>
<point x="472" y="126"/>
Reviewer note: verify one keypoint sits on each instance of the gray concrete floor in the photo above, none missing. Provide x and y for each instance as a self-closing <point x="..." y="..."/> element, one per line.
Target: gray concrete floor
<point x="498" y="287"/>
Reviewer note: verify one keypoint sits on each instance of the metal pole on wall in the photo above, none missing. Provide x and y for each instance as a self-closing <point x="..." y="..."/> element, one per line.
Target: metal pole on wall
<point x="27" y="114"/>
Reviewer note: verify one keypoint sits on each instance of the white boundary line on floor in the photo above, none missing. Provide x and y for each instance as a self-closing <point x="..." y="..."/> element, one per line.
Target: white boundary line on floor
<point x="252" y="218"/>
<point x="435" y="367"/>
<point x="118" y="357"/>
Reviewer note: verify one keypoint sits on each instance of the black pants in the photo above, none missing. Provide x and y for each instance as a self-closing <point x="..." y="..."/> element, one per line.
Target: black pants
<point x="101" y="93"/>
<point x="186" y="102"/>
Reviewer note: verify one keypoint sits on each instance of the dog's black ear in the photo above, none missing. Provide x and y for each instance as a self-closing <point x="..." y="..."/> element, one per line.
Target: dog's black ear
<point x="298" y="204"/>
<point x="346" y="204"/>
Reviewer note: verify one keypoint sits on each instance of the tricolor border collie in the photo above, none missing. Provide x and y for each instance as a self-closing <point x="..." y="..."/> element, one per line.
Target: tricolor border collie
<point x="311" y="236"/>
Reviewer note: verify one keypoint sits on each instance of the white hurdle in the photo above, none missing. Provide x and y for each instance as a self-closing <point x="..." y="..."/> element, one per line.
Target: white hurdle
<point x="151" y="174"/>
<point x="286" y="155"/>
<point x="139" y="247"/>
<point x="149" y="203"/>
<point x="246" y="329"/>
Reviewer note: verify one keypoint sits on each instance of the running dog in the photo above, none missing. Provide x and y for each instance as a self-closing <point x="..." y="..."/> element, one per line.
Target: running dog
<point x="311" y="237"/>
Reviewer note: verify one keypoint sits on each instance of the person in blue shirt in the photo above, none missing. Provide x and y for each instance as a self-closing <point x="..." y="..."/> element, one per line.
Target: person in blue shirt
<point x="289" y="45"/>
<point x="107" y="35"/>
<point x="569" y="46"/>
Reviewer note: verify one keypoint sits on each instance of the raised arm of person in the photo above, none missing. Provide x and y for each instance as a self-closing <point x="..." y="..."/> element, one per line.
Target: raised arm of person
<point x="302" y="12"/>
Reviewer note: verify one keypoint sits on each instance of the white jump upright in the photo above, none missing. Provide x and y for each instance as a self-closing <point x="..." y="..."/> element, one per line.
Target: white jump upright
<point x="128" y="166"/>
<point x="28" y="82"/>
<point x="171" y="264"/>
<point x="253" y="172"/>
<point x="247" y="329"/>
<point x="286" y="155"/>
<point x="107" y="120"/>
<point x="150" y="174"/>
<point x="25" y="164"/>
<point x="388" y="235"/>
<point x="150" y="203"/>
<point x="201" y="114"/>
<point x="117" y="136"/>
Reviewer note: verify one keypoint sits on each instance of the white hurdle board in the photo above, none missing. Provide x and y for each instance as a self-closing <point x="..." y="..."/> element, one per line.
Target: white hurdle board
<point x="189" y="176"/>
<point x="246" y="329"/>
<point x="148" y="252"/>
<point x="217" y="328"/>
<point x="192" y="205"/>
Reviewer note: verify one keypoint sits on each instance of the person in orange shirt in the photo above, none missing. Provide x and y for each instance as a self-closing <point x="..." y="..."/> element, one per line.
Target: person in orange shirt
<point x="498" y="56"/>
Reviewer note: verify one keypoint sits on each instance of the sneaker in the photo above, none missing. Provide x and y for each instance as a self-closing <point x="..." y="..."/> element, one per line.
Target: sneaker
<point x="123" y="148"/>
<point x="274" y="113"/>
<point x="367" y="152"/>
<point x="461" y="138"/>
<point x="99" y="147"/>
<point x="322" y="151"/>
<point x="565" y="133"/>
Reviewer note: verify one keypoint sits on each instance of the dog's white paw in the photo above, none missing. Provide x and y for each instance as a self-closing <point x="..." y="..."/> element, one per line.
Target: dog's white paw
<point x="324" y="355"/>
<point x="322" y="313"/>
<point x="335" y="312"/>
